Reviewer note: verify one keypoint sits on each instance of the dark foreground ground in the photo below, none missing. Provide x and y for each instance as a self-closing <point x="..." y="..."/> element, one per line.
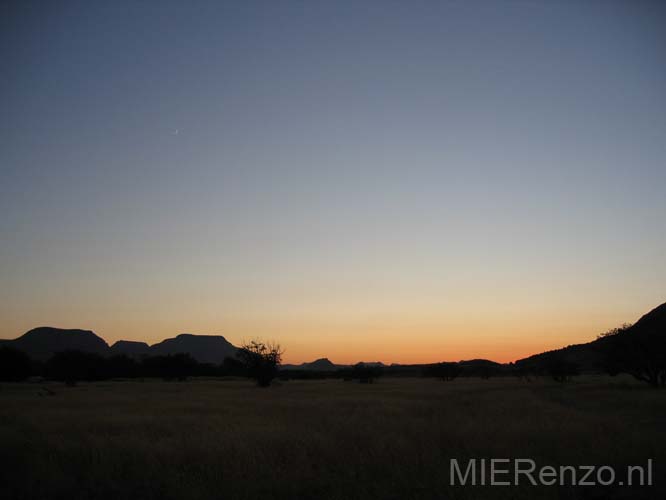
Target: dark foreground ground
<point x="321" y="439"/>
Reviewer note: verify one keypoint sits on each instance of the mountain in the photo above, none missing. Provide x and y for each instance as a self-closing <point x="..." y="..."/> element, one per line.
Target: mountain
<point x="204" y="348"/>
<point x="130" y="348"/>
<point x="591" y="356"/>
<point x="41" y="343"/>
<point x="322" y="364"/>
<point x="326" y="365"/>
<point x="653" y="322"/>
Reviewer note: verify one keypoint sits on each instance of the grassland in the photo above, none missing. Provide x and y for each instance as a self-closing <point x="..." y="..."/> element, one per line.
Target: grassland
<point x="319" y="439"/>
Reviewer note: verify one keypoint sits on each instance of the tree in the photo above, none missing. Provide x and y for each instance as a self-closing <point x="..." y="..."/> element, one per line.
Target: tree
<point x="639" y="353"/>
<point x="522" y="371"/>
<point x="447" y="371"/>
<point x="73" y="366"/>
<point x="121" y="366"/>
<point x="615" y="331"/>
<point x="232" y="366"/>
<point x="171" y="367"/>
<point x="366" y="374"/>
<point x="15" y="365"/>
<point x="561" y="370"/>
<point x="261" y="360"/>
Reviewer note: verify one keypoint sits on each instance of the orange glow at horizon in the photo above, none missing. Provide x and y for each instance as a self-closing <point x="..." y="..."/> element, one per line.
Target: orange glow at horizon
<point x="501" y="335"/>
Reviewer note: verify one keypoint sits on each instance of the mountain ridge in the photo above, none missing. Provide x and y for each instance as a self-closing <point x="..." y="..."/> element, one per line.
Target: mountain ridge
<point x="591" y="356"/>
<point x="42" y="342"/>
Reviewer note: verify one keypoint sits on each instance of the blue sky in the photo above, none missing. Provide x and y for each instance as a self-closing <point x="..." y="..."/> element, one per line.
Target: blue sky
<point x="335" y="175"/>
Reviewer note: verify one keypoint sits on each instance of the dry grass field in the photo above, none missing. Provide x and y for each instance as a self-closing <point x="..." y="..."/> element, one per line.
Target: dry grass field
<point x="325" y="439"/>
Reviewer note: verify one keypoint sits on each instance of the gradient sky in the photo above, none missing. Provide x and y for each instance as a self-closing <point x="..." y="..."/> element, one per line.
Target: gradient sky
<point x="402" y="181"/>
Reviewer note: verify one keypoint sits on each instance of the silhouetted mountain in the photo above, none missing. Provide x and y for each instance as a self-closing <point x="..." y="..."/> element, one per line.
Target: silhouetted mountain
<point x="130" y="348"/>
<point x="654" y="321"/>
<point x="203" y="348"/>
<point x="326" y="365"/>
<point x="591" y="357"/>
<point x="41" y="343"/>
<point x="322" y="364"/>
<point x="477" y="363"/>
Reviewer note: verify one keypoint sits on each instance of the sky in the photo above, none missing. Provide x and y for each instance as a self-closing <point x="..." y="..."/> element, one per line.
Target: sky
<point x="397" y="181"/>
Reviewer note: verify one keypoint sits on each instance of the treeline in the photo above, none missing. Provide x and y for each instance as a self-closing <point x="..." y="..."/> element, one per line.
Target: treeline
<point x="447" y="371"/>
<point x="75" y="366"/>
<point x="361" y="372"/>
<point x="640" y="353"/>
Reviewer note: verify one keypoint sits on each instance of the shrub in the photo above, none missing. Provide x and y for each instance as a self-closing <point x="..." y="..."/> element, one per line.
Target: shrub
<point x="261" y="360"/>
<point x="15" y="365"/>
<point x="446" y="371"/>
<point x="561" y="370"/>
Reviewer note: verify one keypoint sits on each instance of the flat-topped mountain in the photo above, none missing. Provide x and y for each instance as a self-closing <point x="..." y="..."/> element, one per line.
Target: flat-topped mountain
<point x="41" y="343"/>
<point x="322" y="364"/>
<point x="326" y="365"/>
<point x="203" y="348"/>
<point x="130" y="348"/>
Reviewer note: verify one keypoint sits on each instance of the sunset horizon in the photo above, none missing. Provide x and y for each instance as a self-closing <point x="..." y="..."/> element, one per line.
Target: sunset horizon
<point x="410" y="184"/>
<point x="325" y="250"/>
<point x="388" y="344"/>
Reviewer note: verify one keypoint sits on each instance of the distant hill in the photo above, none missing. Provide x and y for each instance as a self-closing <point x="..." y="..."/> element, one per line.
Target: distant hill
<point x="322" y="364"/>
<point x="204" y="348"/>
<point x="590" y="357"/>
<point x="479" y="362"/>
<point x="41" y="343"/>
<point x="653" y="322"/>
<point x="326" y="365"/>
<point x="130" y="348"/>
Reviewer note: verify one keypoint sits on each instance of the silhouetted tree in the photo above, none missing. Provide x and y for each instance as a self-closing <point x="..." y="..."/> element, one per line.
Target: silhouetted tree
<point x="561" y="370"/>
<point x="641" y="354"/>
<point x="615" y="331"/>
<point x="121" y="365"/>
<point x="74" y="366"/>
<point x="15" y="365"/>
<point x="170" y="367"/>
<point x="366" y="374"/>
<point x="485" y="372"/>
<point x="233" y="367"/>
<point x="261" y="360"/>
<point x="522" y="371"/>
<point x="447" y="371"/>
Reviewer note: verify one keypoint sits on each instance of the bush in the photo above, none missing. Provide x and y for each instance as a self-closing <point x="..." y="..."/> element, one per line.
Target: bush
<point x="171" y="367"/>
<point x="447" y="371"/>
<point x="561" y="370"/>
<point x="261" y="361"/>
<point x="74" y="366"/>
<point x="640" y="353"/>
<point x="15" y="365"/>
<point x="366" y="374"/>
